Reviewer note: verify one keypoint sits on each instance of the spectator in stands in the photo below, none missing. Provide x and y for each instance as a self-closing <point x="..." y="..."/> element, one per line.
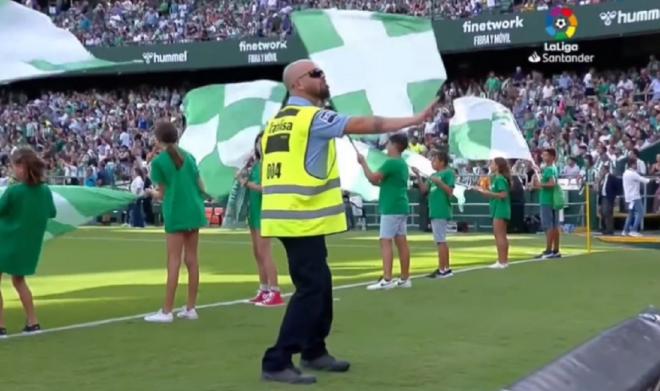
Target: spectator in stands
<point x="571" y="171"/>
<point x="654" y="87"/>
<point x="655" y="171"/>
<point x="631" y="190"/>
<point x="416" y="147"/>
<point x="589" y="83"/>
<point x="641" y="166"/>
<point x="90" y="178"/>
<point x="102" y="175"/>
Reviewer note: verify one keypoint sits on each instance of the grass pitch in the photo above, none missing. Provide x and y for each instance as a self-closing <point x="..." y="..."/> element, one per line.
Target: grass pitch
<point x="478" y="331"/>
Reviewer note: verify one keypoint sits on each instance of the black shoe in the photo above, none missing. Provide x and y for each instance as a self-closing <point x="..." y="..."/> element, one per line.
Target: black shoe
<point x="3" y="332"/>
<point x="34" y="329"/>
<point x="555" y="255"/>
<point x="326" y="363"/>
<point x="544" y="255"/>
<point x="436" y="274"/>
<point x="446" y="273"/>
<point x="289" y="376"/>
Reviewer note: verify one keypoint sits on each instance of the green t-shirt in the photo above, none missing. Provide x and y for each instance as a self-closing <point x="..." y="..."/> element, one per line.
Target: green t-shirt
<point x="530" y="127"/>
<point x="566" y="120"/>
<point x="183" y="204"/>
<point x="393" y="198"/>
<point x="439" y="201"/>
<point x="254" y="199"/>
<point x="24" y="213"/>
<point x="493" y="84"/>
<point x="500" y="208"/>
<point x="546" y="196"/>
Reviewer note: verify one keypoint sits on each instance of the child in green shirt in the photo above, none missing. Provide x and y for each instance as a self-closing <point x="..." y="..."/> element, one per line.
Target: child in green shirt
<point x="549" y="215"/>
<point x="269" y="292"/>
<point x="392" y="177"/>
<point x="440" y="188"/>
<point x="174" y="172"/>
<point x="25" y="209"/>
<point x="500" y="208"/>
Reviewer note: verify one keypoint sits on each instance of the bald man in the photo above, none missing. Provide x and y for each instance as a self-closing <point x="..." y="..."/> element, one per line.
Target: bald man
<point x="308" y="318"/>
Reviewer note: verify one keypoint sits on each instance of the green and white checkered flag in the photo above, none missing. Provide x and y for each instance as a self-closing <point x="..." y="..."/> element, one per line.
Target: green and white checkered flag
<point x="31" y="46"/>
<point x="482" y="129"/>
<point x="375" y="64"/>
<point x="223" y="121"/>
<point x="351" y="174"/>
<point x="77" y="205"/>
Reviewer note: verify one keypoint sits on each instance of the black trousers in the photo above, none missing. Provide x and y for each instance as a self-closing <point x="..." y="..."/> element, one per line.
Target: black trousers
<point x="308" y="317"/>
<point x="607" y="216"/>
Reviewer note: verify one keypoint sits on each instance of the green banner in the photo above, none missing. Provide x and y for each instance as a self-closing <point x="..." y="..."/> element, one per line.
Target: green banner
<point x="559" y="24"/>
<point x="201" y="55"/>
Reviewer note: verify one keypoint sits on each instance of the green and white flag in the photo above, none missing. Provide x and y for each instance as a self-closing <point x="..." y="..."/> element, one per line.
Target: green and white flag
<point x="352" y="176"/>
<point x="31" y="46"/>
<point x="482" y="129"/>
<point x="375" y="64"/>
<point x="77" y="205"/>
<point x="223" y="121"/>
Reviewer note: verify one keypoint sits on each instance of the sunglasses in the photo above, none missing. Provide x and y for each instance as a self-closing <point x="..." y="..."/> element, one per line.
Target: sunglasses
<point x="314" y="74"/>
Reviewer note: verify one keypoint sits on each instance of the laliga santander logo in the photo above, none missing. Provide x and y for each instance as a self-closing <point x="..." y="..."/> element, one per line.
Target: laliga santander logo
<point x="561" y="24"/>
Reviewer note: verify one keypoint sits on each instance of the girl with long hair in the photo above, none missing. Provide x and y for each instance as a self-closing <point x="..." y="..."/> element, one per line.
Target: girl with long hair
<point x="269" y="292"/>
<point x="500" y="208"/>
<point x="25" y="208"/>
<point x="178" y="184"/>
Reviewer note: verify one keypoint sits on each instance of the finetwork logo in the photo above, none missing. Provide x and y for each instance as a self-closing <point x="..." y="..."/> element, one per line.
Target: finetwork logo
<point x="260" y="46"/>
<point x="621" y="17"/>
<point x="494" y="34"/>
<point x="158" y="58"/>
<point x="561" y="23"/>
<point x="262" y="52"/>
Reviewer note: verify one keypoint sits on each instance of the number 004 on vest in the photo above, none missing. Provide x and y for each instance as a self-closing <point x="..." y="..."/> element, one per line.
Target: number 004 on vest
<point x="296" y="203"/>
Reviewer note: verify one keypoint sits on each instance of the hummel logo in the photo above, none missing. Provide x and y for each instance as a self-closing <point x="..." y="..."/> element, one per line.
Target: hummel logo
<point x="607" y="17"/>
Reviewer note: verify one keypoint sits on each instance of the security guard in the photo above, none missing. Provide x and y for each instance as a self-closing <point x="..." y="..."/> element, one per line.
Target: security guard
<point x="302" y="202"/>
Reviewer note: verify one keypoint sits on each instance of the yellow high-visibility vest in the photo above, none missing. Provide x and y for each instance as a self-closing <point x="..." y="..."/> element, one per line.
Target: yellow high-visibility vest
<point x="295" y="203"/>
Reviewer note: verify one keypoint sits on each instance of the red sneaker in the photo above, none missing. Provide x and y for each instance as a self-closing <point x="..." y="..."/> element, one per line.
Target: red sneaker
<point x="274" y="299"/>
<point x="260" y="297"/>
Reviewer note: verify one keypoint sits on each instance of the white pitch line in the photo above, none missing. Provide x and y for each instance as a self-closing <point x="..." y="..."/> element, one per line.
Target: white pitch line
<point x="219" y="241"/>
<point x="224" y="241"/>
<point x="245" y="301"/>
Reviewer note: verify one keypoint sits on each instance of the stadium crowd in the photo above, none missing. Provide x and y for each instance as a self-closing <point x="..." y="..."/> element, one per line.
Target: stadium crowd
<point x="82" y="133"/>
<point x="116" y="22"/>
<point x="591" y="119"/>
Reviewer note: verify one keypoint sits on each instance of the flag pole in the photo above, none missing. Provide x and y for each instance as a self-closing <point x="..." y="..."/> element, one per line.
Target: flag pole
<point x="353" y="144"/>
<point x="588" y="226"/>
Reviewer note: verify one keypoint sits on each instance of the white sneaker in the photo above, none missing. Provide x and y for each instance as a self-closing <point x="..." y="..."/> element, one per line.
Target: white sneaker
<point x="185" y="313"/>
<point x="498" y="265"/>
<point x="382" y="284"/>
<point x="624" y="233"/>
<point x="159" y="317"/>
<point x="407" y="283"/>
<point x="635" y="234"/>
